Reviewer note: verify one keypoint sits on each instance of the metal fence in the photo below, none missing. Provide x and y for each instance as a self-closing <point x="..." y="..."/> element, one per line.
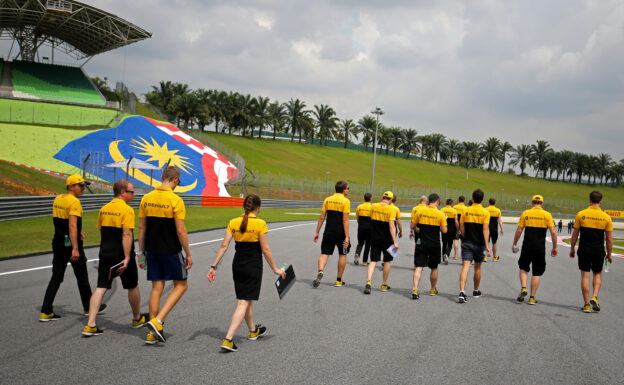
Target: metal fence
<point x="270" y="186"/>
<point x="38" y="206"/>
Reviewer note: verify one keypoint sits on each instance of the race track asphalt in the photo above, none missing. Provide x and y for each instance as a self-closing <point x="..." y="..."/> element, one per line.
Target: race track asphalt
<point x="327" y="335"/>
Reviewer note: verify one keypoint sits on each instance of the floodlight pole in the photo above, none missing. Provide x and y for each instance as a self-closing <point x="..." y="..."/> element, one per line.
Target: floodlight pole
<point x="377" y="111"/>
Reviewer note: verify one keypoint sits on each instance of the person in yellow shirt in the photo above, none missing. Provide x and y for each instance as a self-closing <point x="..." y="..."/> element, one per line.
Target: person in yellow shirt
<point x="67" y="248"/>
<point x="116" y="223"/>
<point x="383" y="237"/>
<point x="449" y="239"/>
<point x="496" y="222"/>
<point x="430" y="222"/>
<point x="460" y="207"/>
<point x="535" y="222"/>
<point x="594" y="227"/>
<point x="336" y="235"/>
<point x="249" y="233"/>
<point x="422" y="203"/>
<point x="362" y="215"/>
<point x="475" y="229"/>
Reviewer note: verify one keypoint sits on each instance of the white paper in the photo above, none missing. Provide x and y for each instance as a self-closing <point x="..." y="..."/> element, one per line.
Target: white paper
<point x="393" y="252"/>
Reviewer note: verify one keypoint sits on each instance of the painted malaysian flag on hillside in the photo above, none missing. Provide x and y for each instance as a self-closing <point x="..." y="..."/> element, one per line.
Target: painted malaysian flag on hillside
<point x="204" y="171"/>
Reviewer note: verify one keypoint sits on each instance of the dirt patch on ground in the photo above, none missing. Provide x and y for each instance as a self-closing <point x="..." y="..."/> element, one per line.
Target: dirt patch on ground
<point x="21" y="189"/>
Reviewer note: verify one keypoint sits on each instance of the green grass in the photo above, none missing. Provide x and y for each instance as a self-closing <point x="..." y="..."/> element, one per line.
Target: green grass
<point x="51" y="114"/>
<point x="618" y="244"/>
<point x="21" y="181"/>
<point x="36" y="145"/>
<point x="314" y="162"/>
<point x="25" y="236"/>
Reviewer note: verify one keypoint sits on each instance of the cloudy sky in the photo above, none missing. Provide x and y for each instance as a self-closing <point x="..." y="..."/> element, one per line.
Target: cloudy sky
<point x="517" y="70"/>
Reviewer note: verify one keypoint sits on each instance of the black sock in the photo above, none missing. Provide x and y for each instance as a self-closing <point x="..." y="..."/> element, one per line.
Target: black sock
<point x="339" y="279"/>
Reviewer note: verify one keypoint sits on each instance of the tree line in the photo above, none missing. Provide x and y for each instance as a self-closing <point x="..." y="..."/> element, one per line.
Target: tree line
<point x="233" y="112"/>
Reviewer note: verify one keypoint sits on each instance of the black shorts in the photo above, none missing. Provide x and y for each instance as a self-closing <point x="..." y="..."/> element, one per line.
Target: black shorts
<point x="427" y="256"/>
<point x="129" y="278"/>
<point x="377" y="251"/>
<point x="330" y="242"/>
<point x="591" y="260"/>
<point x="472" y="252"/>
<point x="535" y="257"/>
<point x="494" y="235"/>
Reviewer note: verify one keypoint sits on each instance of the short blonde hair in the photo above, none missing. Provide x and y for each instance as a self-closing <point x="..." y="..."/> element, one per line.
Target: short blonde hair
<point x="170" y="173"/>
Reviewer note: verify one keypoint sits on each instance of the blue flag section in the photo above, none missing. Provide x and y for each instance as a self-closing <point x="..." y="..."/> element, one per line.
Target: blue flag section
<point x="204" y="171"/>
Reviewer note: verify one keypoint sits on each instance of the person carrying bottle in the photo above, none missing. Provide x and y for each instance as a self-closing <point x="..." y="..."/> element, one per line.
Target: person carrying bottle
<point x="116" y="222"/>
<point x="67" y="247"/>
<point x="249" y="233"/>
<point x="162" y="236"/>
<point x="362" y="215"/>
<point x="594" y="225"/>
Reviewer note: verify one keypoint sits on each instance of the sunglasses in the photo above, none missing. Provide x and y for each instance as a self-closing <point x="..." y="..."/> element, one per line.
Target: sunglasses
<point x="130" y="191"/>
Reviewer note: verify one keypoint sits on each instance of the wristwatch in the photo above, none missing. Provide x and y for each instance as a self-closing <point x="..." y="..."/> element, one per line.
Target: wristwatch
<point x="213" y="267"/>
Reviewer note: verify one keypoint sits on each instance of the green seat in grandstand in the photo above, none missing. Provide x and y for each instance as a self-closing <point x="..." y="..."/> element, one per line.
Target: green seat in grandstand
<point x="54" y="83"/>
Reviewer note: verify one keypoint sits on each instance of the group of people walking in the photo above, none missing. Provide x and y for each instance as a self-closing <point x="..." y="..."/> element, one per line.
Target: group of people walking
<point x="163" y="236"/>
<point x="437" y="231"/>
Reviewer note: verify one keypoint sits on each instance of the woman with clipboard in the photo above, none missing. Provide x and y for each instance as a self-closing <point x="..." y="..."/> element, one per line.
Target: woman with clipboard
<point x="249" y="233"/>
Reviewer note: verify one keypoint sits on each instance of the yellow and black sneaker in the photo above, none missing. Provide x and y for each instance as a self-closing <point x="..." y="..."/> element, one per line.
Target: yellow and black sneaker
<point x="339" y="283"/>
<point x="433" y="292"/>
<point x="485" y="259"/>
<point x="89" y="331"/>
<point x="367" y="288"/>
<point x="532" y="301"/>
<point x="317" y="280"/>
<point x="45" y="317"/>
<point x="385" y="287"/>
<point x="496" y="259"/>
<point x="586" y="308"/>
<point x="229" y="345"/>
<point x="157" y="328"/>
<point x="150" y="339"/>
<point x="365" y="263"/>
<point x="595" y="305"/>
<point x="415" y="294"/>
<point x="259" y="332"/>
<point x="456" y="257"/>
<point x="141" y="321"/>
<point x="523" y="293"/>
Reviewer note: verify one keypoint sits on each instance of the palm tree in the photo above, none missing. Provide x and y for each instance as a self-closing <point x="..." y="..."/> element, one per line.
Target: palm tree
<point x="579" y="165"/>
<point x="469" y="156"/>
<point x="520" y="157"/>
<point x="605" y="162"/>
<point x="424" y="144"/>
<point x="261" y="114"/>
<point x="490" y="151"/>
<point x="349" y="129"/>
<point x="296" y="115"/>
<point x="397" y="138"/>
<point x="326" y="121"/>
<point x="453" y="149"/>
<point x="186" y="107"/>
<point x="505" y="148"/>
<point x="410" y="141"/>
<point x="203" y="117"/>
<point x="165" y="92"/>
<point x="538" y="152"/>
<point x="367" y="127"/>
<point x="437" y="143"/>
<point x="385" y="136"/>
<point x="565" y="160"/>
<point x="277" y="116"/>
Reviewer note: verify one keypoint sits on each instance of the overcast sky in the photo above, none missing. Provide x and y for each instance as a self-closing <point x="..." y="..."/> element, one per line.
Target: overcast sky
<point x="517" y="70"/>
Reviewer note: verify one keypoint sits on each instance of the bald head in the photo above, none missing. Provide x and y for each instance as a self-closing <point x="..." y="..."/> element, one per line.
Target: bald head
<point x="423" y="199"/>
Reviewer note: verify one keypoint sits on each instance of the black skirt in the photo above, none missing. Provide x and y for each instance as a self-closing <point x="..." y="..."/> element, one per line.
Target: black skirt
<point x="247" y="270"/>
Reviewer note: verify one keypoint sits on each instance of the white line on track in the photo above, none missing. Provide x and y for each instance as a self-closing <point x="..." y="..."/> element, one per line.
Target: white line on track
<point x="190" y="244"/>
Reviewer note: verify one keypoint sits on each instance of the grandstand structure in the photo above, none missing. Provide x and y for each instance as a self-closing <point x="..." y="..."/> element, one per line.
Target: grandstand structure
<point x="77" y="30"/>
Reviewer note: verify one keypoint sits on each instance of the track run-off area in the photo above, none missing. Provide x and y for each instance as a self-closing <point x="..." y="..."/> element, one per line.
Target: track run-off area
<point x="327" y="335"/>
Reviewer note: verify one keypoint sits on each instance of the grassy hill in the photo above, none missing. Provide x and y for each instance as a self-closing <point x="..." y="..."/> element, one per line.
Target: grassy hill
<point x="20" y="181"/>
<point x="409" y="177"/>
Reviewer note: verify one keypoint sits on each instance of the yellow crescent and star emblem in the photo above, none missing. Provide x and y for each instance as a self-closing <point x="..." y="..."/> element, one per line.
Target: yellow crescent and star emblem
<point x="158" y="153"/>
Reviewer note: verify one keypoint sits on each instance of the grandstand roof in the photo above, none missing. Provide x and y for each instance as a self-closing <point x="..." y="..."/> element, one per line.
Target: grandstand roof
<point x="78" y="29"/>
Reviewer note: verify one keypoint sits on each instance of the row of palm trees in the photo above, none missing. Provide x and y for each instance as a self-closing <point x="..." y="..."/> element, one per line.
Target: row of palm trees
<point x="232" y="112"/>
